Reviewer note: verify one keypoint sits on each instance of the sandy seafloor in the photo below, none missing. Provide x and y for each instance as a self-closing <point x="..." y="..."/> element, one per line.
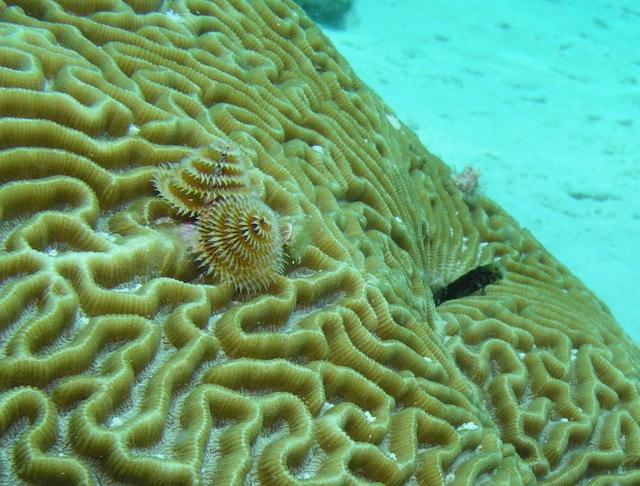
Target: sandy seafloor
<point x="542" y="97"/>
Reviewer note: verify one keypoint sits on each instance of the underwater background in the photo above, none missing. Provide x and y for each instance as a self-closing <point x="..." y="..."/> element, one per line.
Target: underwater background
<point x="541" y="98"/>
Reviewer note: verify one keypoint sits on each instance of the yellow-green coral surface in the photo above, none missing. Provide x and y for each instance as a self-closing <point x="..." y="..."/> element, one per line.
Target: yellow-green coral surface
<point x="124" y="362"/>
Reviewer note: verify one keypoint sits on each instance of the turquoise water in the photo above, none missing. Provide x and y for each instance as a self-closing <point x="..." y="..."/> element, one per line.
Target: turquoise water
<point x="543" y="98"/>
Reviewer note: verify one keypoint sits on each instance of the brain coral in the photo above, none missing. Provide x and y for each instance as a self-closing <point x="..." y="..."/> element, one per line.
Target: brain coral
<point x="121" y="363"/>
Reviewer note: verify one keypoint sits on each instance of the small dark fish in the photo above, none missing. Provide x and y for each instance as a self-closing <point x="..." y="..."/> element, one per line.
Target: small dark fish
<point x="471" y="282"/>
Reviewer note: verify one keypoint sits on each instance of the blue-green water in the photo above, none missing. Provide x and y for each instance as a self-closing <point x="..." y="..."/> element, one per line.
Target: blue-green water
<point x="543" y="98"/>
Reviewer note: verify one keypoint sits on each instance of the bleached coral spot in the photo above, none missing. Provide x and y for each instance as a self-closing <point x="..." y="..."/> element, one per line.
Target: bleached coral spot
<point x="114" y="422"/>
<point x="465" y="244"/>
<point x="317" y="148"/>
<point x="128" y="288"/>
<point x="106" y="236"/>
<point x="133" y="129"/>
<point x="326" y="406"/>
<point x="367" y="415"/>
<point x="468" y="426"/>
<point x="213" y="320"/>
<point x="172" y="15"/>
<point x="395" y="123"/>
<point x="393" y="456"/>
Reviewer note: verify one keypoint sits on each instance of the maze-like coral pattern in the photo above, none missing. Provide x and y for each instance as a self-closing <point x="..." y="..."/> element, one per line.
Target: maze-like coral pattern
<point x="121" y="362"/>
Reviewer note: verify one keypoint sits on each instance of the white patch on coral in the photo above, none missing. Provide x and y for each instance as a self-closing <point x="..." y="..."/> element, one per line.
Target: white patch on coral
<point x="128" y="288"/>
<point x="106" y="236"/>
<point x="449" y="477"/>
<point x="167" y="220"/>
<point x="465" y="240"/>
<point x="172" y="15"/>
<point x="395" y="123"/>
<point x="133" y="129"/>
<point x="370" y="279"/>
<point x="52" y="252"/>
<point x="564" y="420"/>
<point x="522" y="354"/>
<point x="317" y="148"/>
<point x="468" y="426"/>
<point x="213" y="320"/>
<point x="398" y="219"/>
<point x="427" y="359"/>
<point x="393" y="456"/>
<point x="115" y="422"/>
<point x="326" y="406"/>
<point x="574" y="353"/>
<point x="367" y="415"/>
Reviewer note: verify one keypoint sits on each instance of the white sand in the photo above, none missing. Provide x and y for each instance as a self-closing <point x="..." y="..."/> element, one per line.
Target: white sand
<point x="543" y="98"/>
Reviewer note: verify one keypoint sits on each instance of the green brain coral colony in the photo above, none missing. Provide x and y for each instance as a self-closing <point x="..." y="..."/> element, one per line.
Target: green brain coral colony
<point x="306" y="338"/>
